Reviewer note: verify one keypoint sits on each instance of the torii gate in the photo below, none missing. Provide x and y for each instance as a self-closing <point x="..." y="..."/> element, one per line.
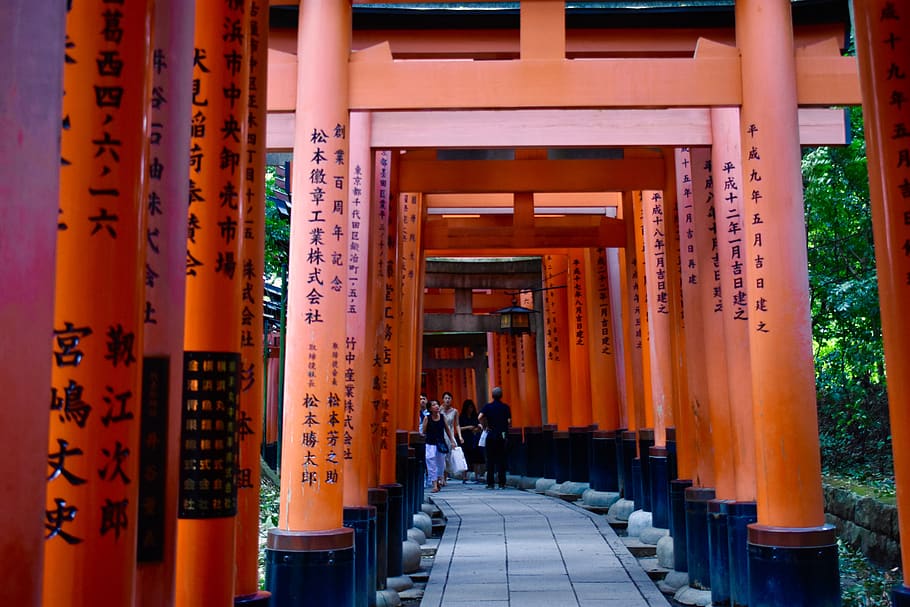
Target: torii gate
<point x="542" y="76"/>
<point x="534" y="80"/>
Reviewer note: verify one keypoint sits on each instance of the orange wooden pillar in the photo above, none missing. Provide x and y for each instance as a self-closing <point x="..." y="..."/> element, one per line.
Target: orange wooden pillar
<point x="359" y="471"/>
<point x="691" y="422"/>
<point x="791" y="519"/>
<point x="310" y="520"/>
<point x="708" y="380"/>
<point x="165" y="292"/>
<point x="212" y="364"/>
<point x="529" y="379"/>
<point x="637" y="326"/>
<point x="883" y="35"/>
<point x="383" y="388"/>
<point x="410" y="269"/>
<point x="383" y="302"/>
<point x="601" y="344"/>
<point x="93" y="446"/>
<point x="252" y="339"/>
<point x="658" y="225"/>
<point x="619" y="302"/>
<point x="557" y="345"/>
<point x="30" y="110"/>
<point x="579" y="337"/>
<point x="730" y="220"/>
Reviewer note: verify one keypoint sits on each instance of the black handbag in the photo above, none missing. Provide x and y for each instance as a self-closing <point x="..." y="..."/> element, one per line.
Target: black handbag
<point x="442" y="448"/>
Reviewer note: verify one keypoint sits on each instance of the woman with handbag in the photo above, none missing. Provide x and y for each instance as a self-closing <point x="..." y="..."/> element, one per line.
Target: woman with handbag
<point x="435" y="430"/>
<point x="450" y="415"/>
<point x="470" y="432"/>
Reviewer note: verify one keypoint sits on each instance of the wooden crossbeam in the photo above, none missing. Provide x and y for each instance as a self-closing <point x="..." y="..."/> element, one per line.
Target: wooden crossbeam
<point x="497" y="232"/>
<point x="480" y="176"/>
<point x="555" y="128"/>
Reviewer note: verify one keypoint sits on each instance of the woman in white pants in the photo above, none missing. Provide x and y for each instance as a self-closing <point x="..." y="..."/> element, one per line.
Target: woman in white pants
<point x="435" y="429"/>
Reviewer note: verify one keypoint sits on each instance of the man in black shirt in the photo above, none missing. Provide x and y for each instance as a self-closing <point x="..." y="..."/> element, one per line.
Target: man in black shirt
<point x="496" y="417"/>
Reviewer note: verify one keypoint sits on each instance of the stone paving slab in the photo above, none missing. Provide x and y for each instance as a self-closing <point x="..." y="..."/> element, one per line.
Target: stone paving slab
<point x="513" y="547"/>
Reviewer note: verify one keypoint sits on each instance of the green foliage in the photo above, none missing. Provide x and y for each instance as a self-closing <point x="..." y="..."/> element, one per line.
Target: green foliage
<point x="277" y="232"/>
<point x="863" y="584"/>
<point x="846" y="324"/>
<point x="269" y="495"/>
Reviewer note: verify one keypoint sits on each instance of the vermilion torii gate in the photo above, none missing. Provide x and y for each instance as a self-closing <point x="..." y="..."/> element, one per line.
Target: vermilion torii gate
<point x="365" y="127"/>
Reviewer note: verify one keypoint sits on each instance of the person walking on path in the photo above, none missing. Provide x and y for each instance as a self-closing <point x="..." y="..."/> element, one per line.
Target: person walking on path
<point x="469" y="426"/>
<point x="450" y="415"/>
<point x="496" y="417"/>
<point x="434" y="428"/>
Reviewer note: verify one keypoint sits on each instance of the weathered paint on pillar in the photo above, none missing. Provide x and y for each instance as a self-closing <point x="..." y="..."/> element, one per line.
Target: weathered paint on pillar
<point x="165" y="293"/>
<point x="312" y="457"/>
<point x="731" y="247"/>
<point x="679" y="387"/>
<point x="691" y="408"/>
<point x="717" y="444"/>
<point x="632" y="310"/>
<point x="618" y="302"/>
<point x="31" y="81"/>
<point x="579" y="338"/>
<point x="646" y="419"/>
<point x="214" y="275"/>
<point x="788" y="467"/>
<point x="657" y="225"/>
<point x="252" y="338"/>
<point x="555" y="315"/>
<point x="601" y="348"/>
<point x="410" y="268"/>
<point x="528" y="378"/>
<point x="384" y="300"/>
<point x="360" y="472"/>
<point x="93" y="444"/>
<point x="882" y="35"/>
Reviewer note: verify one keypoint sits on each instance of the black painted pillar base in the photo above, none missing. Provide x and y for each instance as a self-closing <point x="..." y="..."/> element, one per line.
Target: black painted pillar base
<point x="718" y="553"/>
<point x="514" y="462"/>
<point x="258" y="599"/>
<point x="549" y="450"/>
<point x="739" y="516"/>
<point x="602" y="465"/>
<point x="534" y="451"/>
<point x="797" y="567"/>
<point x="411" y="490"/>
<point x="620" y="460"/>
<point x="563" y="450"/>
<point x="900" y="596"/>
<point x="379" y="499"/>
<point x="697" y="536"/>
<point x="362" y="519"/>
<point x="678" y="522"/>
<point x="419" y="442"/>
<point x="629" y="452"/>
<point x="310" y="567"/>
<point x="579" y="447"/>
<point x="672" y="469"/>
<point x="638" y="498"/>
<point x="645" y="442"/>
<point x="394" y="566"/>
<point x="660" y="496"/>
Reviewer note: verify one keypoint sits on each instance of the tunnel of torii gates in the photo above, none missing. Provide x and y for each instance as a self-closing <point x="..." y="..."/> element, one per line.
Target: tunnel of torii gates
<point x="621" y="168"/>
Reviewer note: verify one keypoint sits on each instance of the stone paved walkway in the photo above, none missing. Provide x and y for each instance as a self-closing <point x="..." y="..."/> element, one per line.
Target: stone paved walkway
<point x="510" y="548"/>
